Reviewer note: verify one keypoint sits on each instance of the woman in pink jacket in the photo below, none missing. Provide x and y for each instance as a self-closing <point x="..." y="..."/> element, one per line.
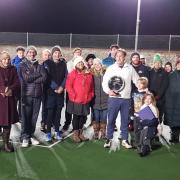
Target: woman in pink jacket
<point x="80" y="87"/>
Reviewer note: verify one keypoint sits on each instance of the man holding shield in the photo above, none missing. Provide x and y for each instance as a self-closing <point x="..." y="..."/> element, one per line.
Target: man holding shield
<point x="117" y="83"/>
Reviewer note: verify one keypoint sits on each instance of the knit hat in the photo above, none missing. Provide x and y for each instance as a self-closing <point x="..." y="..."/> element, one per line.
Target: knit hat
<point x="77" y="60"/>
<point x="55" y="48"/>
<point x="157" y="58"/>
<point x="177" y="61"/>
<point x="31" y="48"/>
<point x="89" y="56"/>
<point x="97" y="61"/>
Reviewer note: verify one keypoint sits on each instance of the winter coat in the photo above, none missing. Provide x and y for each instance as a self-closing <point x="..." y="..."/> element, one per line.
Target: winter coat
<point x="100" y="97"/>
<point x="108" y="61"/>
<point x="80" y="86"/>
<point x="158" y="83"/>
<point x="8" y="111"/>
<point x="57" y="74"/>
<point x="33" y="76"/>
<point x="172" y="100"/>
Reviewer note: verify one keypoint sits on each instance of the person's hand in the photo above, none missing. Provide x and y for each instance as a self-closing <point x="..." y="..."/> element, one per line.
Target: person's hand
<point x="6" y="89"/>
<point x="8" y="93"/>
<point x="59" y="90"/>
<point x="112" y="93"/>
<point x="3" y="95"/>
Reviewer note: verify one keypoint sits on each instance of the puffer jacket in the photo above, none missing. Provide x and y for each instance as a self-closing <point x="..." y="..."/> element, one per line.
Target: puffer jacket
<point x="33" y="76"/>
<point x="80" y="87"/>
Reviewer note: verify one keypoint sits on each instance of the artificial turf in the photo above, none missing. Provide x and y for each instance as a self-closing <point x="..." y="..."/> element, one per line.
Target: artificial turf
<point x="89" y="161"/>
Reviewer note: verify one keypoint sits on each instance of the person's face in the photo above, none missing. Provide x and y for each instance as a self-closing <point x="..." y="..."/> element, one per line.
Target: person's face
<point x="77" y="53"/>
<point x="31" y="54"/>
<point x="135" y="60"/>
<point x="45" y="56"/>
<point x="20" y="54"/>
<point x="140" y="85"/>
<point x="120" y="58"/>
<point x="97" y="66"/>
<point x="143" y="61"/>
<point x="90" y="62"/>
<point x="178" y="66"/>
<point x="157" y="65"/>
<point x="5" y="62"/>
<point x="148" y="100"/>
<point x="113" y="51"/>
<point x="56" y="55"/>
<point x="80" y="65"/>
<point x="168" y="68"/>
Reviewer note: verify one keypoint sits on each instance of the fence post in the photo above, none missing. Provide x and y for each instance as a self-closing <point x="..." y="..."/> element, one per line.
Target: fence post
<point x="27" y="39"/>
<point x="118" y="39"/>
<point x="70" y="41"/>
<point x="170" y="43"/>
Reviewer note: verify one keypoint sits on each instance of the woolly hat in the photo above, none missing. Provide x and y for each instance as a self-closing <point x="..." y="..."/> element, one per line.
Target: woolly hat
<point x="89" y="56"/>
<point x="55" y="48"/>
<point x="97" y="61"/>
<point x="157" y="58"/>
<point x="142" y="56"/>
<point x="177" y="61"/>
<point x="77" y="60"/>
<point x="31" y="48"/>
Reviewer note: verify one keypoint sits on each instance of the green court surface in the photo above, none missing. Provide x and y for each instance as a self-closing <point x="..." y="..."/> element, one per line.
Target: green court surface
<point x="89" y="161"/>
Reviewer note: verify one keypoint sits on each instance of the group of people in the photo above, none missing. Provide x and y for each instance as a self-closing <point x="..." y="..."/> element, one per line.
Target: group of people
<point x="84" y="84"/>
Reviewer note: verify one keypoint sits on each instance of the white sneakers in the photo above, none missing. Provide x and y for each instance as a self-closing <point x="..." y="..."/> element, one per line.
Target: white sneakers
<point x="126" y="144"/>
<point x="25" y="142"/>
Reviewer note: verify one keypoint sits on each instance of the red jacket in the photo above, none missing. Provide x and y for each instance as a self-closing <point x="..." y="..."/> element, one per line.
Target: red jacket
<point x="80" y="87"/>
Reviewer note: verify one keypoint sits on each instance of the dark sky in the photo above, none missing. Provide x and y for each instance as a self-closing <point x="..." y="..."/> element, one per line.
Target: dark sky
<point x="90" y="16"/>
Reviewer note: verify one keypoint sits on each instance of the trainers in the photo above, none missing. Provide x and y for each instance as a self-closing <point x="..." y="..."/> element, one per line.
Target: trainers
<point x="25" y="143"/>
<point x="58" y="136"/>
<point x="34" y="141"/>
<point x="48" y="137"/>
<point x="126" y="144"/>
<point x="108" y="143"/>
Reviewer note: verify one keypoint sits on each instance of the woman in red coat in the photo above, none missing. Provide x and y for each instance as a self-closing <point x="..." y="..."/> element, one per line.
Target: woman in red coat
<point x="80" y="88"/>
<point x="9" y="87"/>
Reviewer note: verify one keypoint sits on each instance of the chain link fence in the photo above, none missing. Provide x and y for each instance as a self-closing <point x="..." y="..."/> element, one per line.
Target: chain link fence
<point x="150" y="42"/>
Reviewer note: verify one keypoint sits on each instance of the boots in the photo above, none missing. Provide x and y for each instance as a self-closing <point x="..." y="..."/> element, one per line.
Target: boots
<point x="96" y="127"/>
<point x="75" y="136"/>
<point x="103" y="130"/>
<point x="7" y="147"/>
<point x="81" y="136"/>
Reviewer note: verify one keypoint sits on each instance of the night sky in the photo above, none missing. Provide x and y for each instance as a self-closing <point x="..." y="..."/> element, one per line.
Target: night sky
<point x="90" y="16"/>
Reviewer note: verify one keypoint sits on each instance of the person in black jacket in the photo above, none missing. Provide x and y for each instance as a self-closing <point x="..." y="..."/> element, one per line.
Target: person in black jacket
<point x="33" y="76"/>
<point x="57" y="73"/>
<point x="172" y="104"/>
<point x="158" y="83"/>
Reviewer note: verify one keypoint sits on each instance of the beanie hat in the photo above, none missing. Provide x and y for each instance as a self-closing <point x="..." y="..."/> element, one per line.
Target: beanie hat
<point x="157" y="58"/>
<point x="177" y="61"/>
<point x="31" y="48"/>
<point x="97" y="61"/>
<point x="55" y="48"/>
<point x="77" y="60"/>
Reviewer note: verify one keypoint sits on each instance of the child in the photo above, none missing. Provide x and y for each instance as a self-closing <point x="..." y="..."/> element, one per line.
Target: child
<point x="80" y="88"/>
<point x="145" y="126"/>
<point x="100" y="100"/>
<point x="9" y="88"/>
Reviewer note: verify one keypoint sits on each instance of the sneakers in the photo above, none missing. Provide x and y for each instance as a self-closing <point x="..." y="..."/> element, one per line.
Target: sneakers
<point x="34" y="141"/>
<point x="126" y="144"/>
<point x="58" y="136"/>
<point x="108" y="143"/>
<point x="48" y="137"/>
<point x="25" y="143"/>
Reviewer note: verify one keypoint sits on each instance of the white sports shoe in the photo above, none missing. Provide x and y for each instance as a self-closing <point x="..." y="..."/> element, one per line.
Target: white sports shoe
<point x="34" y="141"/>
<point x="126" y="144"/>
<point x="25" y="143"/>
<point x="108" y="143"/>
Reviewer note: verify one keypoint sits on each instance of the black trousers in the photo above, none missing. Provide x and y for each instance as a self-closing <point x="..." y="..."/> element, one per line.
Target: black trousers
<point x="53" y="118"/>
<point x="30" y="111"/>
<point x="78" y="121"/>
<point x="44" y="110"/>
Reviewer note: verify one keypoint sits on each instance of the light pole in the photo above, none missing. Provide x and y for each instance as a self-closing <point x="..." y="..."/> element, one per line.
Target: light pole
<point x="137" y="24"/>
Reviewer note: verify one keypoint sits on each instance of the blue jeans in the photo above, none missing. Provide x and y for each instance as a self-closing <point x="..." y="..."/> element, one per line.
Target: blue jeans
<point x="100" y="115"/>
<point x="114" y="106"/>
